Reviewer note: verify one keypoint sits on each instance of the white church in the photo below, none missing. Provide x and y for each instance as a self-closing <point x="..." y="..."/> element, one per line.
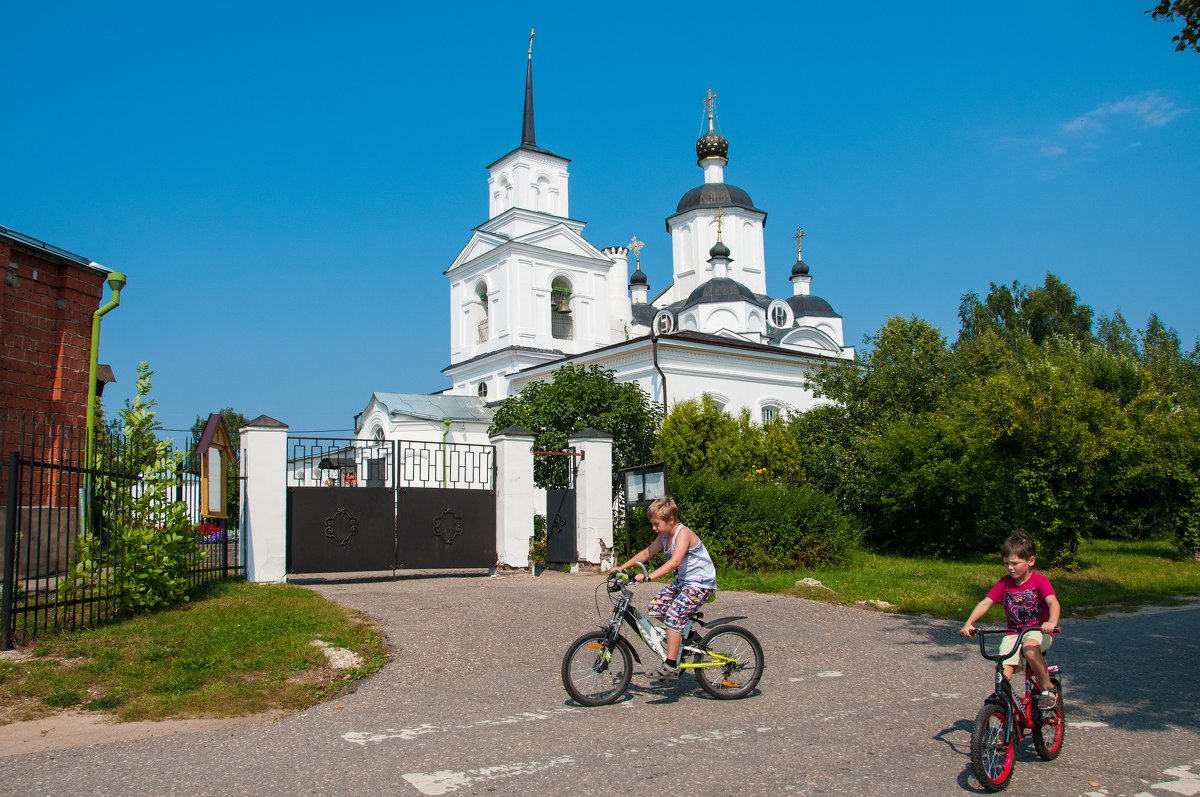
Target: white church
<point x="529" y="294"/>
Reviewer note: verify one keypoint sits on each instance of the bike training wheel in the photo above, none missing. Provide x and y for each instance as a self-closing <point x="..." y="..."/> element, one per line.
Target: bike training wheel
<point x="1050" y="728"/>
<point x="593" y="674"/>
<point x="736" y="678"/>
<point x="991" y="754"/>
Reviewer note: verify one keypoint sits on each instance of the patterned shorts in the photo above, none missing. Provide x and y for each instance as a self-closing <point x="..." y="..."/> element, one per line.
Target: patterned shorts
<point x="676" y="602"/>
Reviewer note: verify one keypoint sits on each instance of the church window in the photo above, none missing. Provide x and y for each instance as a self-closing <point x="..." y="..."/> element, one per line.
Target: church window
<point x="562" y="324"/>
<point x="483" y="316"/>
<point x="770" y="412"/>
<point x="780" y="314"/>
<point x="482" y="390"/>
<point x="664" y="322"/>
<point x="543" y="201"/>
<point x="718" y="402"/>
<point x="377" y="435"/>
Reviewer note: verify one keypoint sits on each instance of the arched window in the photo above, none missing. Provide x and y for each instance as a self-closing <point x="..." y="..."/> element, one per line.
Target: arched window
<point x="543" y="201"/>
<point x="481" y="391"/>
<point x="770" y="412"/>
<point x="562" y="324"/>
<point x="482" y="325"/>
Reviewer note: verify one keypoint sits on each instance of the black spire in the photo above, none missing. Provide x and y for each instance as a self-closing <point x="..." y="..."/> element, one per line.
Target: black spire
<point x="527" y="135"/>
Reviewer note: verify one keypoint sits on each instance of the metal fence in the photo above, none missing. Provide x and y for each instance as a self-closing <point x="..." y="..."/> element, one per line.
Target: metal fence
<point x="345" y="462"/>
<point x="56" y="513"/>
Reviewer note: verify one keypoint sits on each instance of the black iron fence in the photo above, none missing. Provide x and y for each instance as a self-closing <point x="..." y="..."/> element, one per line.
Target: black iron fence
<point x="345" y="462"/>
<point x="69" y="531"/>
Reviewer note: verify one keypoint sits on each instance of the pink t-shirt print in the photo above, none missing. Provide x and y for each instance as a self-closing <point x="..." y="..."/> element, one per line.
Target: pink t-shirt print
<point x="1024" y="605"/>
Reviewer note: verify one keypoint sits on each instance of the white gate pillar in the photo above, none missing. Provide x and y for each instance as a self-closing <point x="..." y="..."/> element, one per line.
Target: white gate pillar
<point x="593" y="493"/>
<point x="264" y="499"/>
<point x="514" y="495"/>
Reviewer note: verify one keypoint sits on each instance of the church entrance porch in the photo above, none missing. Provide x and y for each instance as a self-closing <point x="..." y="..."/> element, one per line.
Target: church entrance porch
<point x="358" y="505"/>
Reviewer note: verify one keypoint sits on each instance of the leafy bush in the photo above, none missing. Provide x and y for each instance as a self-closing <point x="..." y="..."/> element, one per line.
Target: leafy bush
<point x="762" y="526"/>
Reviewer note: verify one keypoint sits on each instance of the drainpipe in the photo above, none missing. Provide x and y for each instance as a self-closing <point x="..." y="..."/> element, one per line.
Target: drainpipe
<point x="116" y="281"/>
<point x="445" y="449"/>
<point x="662" y="376"/>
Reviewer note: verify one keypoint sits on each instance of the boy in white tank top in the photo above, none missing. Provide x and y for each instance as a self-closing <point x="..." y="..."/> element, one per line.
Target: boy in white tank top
<point x="695" y="578"/>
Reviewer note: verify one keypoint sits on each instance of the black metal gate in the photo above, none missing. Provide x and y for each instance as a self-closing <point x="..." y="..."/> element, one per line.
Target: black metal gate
<point x="369" y="505"/>
<point x="561" y="543"/>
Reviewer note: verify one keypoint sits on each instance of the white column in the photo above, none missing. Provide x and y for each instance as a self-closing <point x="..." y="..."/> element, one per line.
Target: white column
<point x="593" y="493"/>
<point x="264" y="499"/>
<point x="514" y="496"/>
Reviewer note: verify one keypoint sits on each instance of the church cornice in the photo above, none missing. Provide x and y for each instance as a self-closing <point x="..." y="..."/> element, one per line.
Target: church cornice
<point x="534" y="154"/>
<point x="508" y="353"/>
<point x="598" y="262"/>
<point x="525" y="214"/>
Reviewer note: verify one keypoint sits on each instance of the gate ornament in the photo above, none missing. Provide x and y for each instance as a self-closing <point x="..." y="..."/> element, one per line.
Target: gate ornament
<point x="449" y="534"/>
<point x="331" y="521"/>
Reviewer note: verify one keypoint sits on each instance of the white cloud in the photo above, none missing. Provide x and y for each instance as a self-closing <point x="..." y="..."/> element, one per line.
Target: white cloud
<point x="1150" y="107"/>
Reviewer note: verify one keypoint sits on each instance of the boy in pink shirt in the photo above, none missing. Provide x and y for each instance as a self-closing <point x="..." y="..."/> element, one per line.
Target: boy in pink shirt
<point x="1029" y="602"/>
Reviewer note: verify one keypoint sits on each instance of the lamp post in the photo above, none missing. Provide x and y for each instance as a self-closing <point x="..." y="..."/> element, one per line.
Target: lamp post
<point x="116" y="281"/>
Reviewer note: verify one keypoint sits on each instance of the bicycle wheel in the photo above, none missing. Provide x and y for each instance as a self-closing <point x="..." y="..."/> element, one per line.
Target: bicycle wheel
<point x="594" y="674"/>
<point x="1050" y="728"/>
<point x="992" y="748"/>
<point x="741" y="660"/>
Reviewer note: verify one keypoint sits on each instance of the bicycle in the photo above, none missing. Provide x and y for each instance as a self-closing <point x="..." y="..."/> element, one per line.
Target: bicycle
<point x="1005" y="719"/>
<point x="598" y="666"/>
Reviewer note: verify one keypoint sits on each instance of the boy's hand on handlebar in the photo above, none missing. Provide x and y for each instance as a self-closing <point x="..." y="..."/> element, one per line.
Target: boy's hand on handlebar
<point x="967" y="630"/>
<point x="1050" y="628"/>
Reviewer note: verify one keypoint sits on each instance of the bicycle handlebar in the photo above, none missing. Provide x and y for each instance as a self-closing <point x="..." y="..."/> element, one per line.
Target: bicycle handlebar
<point x="983" y="633"/>
<point x="620" y="578"/>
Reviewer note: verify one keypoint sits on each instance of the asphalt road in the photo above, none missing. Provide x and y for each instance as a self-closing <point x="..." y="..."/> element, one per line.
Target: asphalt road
<point x="853" y="702"/>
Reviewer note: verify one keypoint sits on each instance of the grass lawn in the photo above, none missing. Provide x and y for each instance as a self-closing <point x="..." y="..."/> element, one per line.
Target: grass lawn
<point x="1112" y="576"/>
<point x="234" y="649"/>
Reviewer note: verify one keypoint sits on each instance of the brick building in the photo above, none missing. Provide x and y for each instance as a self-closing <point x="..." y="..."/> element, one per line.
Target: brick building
<point x="46" y="304"/>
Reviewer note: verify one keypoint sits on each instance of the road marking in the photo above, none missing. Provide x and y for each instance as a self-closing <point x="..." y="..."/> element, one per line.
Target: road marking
<point x="445" y="781"/>
<point x="408" y="734"/>
<point x="830" y="674"/>
<point x="1186" y="781"/>
<point x="1086" y="724"/>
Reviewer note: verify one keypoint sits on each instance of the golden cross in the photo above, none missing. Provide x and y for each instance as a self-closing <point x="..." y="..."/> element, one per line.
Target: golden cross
<point x="799" y="236"/>
<point x="531" y="43"/>
<point x="710" y="100"/>
<point x="636" y="246"/>
<point x="720" y="218"/>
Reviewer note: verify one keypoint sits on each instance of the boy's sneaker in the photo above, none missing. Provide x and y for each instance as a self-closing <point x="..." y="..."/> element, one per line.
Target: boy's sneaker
<point x="664" y="673"/>
<point x="1047" y="700"/>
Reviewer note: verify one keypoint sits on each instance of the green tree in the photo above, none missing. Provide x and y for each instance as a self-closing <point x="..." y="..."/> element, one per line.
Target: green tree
<point x="1188" y="11"/>
<point x="1018" y="311"/>
<point x="576" y="398"/>
<point x="234" y="421"/>
<point x="699" y="437"/>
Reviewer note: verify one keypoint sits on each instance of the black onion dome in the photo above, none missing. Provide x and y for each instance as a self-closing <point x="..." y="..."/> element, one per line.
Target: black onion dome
<point x="811" y="306"/>
<point x="638" y="278"/>
<point x="715" y="195"/>
<point x="719" y="249"/>
<point x="712" y="145"/>
<point x="800" y="269"/>
<point x="720" y="289"/>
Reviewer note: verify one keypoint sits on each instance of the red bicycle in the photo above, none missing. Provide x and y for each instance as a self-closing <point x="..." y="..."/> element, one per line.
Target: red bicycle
<point x="1005" y="719"/>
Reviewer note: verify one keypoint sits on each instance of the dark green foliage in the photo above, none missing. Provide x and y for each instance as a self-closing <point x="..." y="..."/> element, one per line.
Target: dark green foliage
<point x="579" y="397"/>
<point x="756" y="526"/>
<point x="1189" y="12"/>
<point x="1029" y="421"/>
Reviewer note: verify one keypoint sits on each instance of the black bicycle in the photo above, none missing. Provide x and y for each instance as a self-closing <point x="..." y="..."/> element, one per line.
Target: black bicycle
<point x="597" y="667"/>
<point x="1005" y="719"/>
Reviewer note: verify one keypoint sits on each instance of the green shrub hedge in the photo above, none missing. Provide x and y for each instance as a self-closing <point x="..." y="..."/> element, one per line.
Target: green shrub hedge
<point x="759" y="526"/>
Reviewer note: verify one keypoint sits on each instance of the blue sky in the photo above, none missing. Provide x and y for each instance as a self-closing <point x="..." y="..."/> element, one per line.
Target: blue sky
<point x="284" y="183"/>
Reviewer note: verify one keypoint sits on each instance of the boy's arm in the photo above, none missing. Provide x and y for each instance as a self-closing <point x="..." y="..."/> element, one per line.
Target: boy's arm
<point x="980" y="610"/>
<point x="1055" y="612"/>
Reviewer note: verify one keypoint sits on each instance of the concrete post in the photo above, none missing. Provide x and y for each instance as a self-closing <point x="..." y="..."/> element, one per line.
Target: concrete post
<point x="264" y="499"/>
<point x="593" y="494"/>
<point x="514" y="496"/>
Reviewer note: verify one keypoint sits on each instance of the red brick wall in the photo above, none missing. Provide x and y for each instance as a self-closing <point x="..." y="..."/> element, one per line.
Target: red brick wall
<point x="46" y="307"/>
